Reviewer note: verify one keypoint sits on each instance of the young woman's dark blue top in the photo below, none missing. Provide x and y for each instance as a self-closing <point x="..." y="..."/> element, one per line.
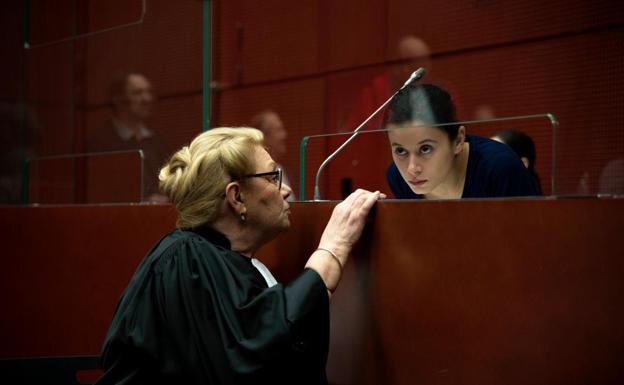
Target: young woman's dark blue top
<point x="493" y="170"/>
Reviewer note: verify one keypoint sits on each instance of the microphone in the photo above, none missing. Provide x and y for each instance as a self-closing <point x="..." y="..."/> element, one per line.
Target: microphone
<point x="419" y="73"/>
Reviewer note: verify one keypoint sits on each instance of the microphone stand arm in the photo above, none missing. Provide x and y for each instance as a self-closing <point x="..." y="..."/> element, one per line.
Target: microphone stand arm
<point x="317" y="192"/>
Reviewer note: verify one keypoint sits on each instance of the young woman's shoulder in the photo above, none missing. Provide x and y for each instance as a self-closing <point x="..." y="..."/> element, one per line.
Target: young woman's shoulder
<point x="494" y="170"/>
<point x="492" y="155"/>
<point x="489" y="148"/>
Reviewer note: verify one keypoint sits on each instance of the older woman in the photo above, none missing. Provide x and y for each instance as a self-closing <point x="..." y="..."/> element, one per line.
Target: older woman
<point x="200" y="309"/>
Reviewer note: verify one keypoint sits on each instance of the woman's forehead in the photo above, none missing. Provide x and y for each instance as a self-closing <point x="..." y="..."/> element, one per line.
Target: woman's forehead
<point x="414" y="134"/>
<point x="263" y="159"/>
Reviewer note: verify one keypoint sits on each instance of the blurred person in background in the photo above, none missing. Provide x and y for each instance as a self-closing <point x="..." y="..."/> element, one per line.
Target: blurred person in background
<point x="133" y="102"/>
<point x="524" y="147"/>
<point x="272" y="126"/>
<point x="611" y="179"/>
<point x="18" y="135"/>
<point x="413" y="52"/>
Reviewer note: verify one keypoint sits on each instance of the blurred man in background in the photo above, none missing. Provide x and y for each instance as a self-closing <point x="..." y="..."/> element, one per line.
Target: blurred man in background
<point x="271" y="125"/>
<point x="133" y="103"/>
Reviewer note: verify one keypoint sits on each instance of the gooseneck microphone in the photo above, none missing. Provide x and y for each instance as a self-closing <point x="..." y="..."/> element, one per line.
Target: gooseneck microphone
<point x="413" y="77"/>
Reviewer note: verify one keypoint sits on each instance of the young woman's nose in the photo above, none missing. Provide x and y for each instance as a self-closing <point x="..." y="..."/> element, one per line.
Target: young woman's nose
<point x="414" y="166"/>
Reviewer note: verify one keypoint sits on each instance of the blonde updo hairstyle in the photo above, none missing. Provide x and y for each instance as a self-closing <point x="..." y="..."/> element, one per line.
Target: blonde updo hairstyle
<point x="195" y="177"/>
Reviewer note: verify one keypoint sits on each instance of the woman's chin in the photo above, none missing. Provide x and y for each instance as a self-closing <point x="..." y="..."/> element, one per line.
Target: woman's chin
<point x="420" y="190"/>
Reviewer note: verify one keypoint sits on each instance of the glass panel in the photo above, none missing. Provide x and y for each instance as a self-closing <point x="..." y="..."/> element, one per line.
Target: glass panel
<point x="318" y="66"/>
<point x="50" y="22"/>
<point x="105" y="177"/>
<point x="102" y="76"/>
<point x="333" y="165"/>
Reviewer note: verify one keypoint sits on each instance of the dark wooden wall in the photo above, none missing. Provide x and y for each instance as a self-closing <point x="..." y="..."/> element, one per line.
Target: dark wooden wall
<point x="485" y="292"/>
<point x="66" y="269"/>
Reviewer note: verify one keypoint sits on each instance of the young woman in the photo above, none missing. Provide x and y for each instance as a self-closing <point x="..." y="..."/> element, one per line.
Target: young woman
<point x="435" y="159"/>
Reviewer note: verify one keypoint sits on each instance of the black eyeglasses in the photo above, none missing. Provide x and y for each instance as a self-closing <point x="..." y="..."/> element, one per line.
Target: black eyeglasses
<point x="275" y="177"/>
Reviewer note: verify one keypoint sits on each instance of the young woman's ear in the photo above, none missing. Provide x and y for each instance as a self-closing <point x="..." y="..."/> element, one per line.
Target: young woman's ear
<point x="459" y="140"/>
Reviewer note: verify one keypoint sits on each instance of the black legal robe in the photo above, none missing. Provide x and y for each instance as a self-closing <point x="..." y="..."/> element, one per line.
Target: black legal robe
<point x="195" y="312"/>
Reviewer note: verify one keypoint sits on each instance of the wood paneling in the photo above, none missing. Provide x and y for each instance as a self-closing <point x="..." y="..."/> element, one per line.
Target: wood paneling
<point x="65" y="269"/>
<point x="436" y="292"/>
<point x="475" y="292"/>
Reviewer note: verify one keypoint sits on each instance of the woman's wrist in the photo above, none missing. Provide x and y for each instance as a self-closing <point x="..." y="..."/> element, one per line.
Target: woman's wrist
<point x="328" y="266"/>
<point x="334" y="256"/>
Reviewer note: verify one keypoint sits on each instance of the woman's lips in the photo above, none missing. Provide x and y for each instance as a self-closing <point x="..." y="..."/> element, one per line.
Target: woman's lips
<point x="418" y="182"/>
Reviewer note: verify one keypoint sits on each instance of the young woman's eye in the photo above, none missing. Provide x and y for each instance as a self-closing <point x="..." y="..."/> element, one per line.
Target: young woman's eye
<point x="400" y="151"/>
<point x="426" y="149"/>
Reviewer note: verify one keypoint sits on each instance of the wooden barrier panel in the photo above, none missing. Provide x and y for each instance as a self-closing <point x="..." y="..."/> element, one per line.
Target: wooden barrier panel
<point x="446" y="292"/>
<point x="475" y="292"/>
<point x="64" y="269"/>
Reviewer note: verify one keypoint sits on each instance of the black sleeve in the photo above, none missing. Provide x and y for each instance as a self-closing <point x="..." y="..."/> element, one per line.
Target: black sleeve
<point x="201" y="315"/>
